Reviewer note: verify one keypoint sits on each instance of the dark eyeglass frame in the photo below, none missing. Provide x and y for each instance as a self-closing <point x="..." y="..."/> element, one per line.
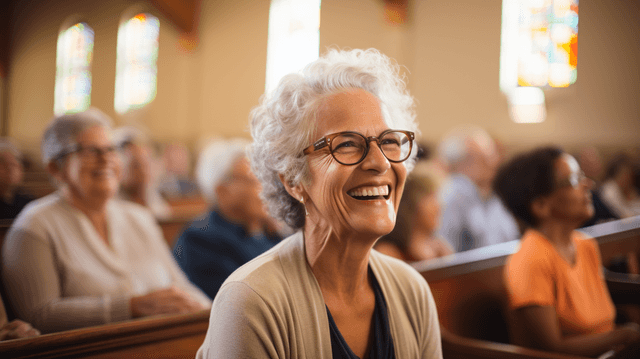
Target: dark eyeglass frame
<point x="93" y="150"/>
<point x="328" y="140"/>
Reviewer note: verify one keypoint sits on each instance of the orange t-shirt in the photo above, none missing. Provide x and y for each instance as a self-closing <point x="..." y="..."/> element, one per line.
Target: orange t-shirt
<point x="538" y="275"/>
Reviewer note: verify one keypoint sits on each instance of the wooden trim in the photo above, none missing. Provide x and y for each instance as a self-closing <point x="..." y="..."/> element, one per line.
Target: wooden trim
<point x="109" y="338"/>
<point x="180" y="12"/>
<point x="455" y="346"/>
<point x="607" y="234"/>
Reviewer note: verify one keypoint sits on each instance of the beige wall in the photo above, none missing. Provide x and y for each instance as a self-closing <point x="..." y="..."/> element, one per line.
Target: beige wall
<point x="450" y="49"/>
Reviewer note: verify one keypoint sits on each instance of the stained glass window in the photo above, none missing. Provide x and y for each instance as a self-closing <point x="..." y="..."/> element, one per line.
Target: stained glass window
<point x="294" y="37"/>
<point x="541" y="37"/>
<point x="539" y="50"/>
<point x="73" y="69"/>
<point x="136" y="63"/>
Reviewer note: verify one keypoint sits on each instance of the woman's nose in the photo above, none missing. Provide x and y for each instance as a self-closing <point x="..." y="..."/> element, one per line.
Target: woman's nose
<point x="375" y="159"/>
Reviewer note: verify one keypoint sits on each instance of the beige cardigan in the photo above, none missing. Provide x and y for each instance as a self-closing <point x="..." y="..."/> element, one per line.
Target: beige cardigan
<point x="272" y="307"/>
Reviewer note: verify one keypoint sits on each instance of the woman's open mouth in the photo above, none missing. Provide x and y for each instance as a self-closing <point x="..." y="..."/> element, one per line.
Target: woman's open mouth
<point x="366" y="193"/>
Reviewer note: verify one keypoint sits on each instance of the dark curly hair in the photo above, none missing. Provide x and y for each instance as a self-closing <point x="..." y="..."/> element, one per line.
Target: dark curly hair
<point x="525" y="178"/>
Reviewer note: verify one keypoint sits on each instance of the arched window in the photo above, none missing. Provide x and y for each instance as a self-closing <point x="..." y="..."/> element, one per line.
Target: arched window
<point x="539" y="49"/>
<point x="294" y="37"/>
<point x="73" y="69"/>
<point x="136" y="68"/>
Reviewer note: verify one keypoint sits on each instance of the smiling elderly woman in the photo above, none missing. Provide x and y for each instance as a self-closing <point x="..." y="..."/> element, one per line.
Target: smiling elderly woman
<point x="332" y="148"/>
<point x="79" y="257"/>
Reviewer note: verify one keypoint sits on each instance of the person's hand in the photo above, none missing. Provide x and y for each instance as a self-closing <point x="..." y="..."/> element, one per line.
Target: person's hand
<point x="164" y="301"/>
<point x="18" y="329"/>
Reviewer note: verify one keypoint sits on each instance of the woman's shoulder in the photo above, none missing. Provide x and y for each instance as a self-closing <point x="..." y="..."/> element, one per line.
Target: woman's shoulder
<point x="533" y="251"/>
<point x="40" y="210"/>
<point x="263" y="272"/>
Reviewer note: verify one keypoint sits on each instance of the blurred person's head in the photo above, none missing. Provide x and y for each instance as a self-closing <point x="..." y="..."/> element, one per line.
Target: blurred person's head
<point x="177" y="159"/>
<point x="545" y="185"/>
<point x="11" y="170"/>
<point x="137" y="156"/>
<point x="225" y="179"/>
<point x="79" y="152"/>
<point x="419" y="209"/>
<point x="621" y="169"/>
<point x="591" y="162"/>
<point x="470" y="151"/>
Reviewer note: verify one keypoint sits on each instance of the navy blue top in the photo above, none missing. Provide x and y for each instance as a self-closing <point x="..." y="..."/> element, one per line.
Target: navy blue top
<point x="11" y="210"/>
<point x="211" y="248"/>
<point x="382" y="345"/>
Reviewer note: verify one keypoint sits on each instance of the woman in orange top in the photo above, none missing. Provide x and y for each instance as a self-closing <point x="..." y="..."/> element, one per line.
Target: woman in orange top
<point x="556" y="291"/>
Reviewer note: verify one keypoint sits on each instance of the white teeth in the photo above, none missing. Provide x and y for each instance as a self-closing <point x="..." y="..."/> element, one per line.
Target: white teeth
<point x="370" y="191"/>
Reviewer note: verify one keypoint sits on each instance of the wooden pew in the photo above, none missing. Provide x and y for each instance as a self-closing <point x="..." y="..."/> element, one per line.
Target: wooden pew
<point x="184" y="210"/>
<point x="471" y="298"/>
<point x="172" y="227"/>
<point x="177" y="336"/>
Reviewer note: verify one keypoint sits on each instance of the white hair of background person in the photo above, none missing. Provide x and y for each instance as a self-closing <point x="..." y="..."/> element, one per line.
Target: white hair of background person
<point x="63" y="130"/>
<point x="215" y="163"/>
<point x="454" y="147"/>
<point x="283" y="122"/>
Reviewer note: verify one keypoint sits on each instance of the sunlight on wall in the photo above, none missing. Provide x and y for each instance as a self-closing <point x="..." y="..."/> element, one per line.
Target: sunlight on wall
<point x="294" y="37"/>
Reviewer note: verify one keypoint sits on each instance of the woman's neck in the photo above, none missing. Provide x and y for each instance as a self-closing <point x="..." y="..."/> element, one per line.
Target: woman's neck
<point x="137" y="195"/>
<point x="94" y="209"/>
<point x="339" y="263"/>
<point x="558" y="233"/>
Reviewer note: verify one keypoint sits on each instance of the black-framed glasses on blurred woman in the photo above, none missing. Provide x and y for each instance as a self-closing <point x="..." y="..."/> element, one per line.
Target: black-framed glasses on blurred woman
<point x="350" y="148"/>
<point x="90" y="153"/>
<point x="574" y="180"/>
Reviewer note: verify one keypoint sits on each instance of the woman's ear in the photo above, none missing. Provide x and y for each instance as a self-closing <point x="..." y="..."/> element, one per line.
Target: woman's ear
<point x="541" y="208"/>
<point x="296" y="191"/>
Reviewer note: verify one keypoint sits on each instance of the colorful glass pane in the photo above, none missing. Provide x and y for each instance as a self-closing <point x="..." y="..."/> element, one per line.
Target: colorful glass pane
<point x="73" y="69"/>
<point x="547" y="43"/>
<point x="136" y="64"/>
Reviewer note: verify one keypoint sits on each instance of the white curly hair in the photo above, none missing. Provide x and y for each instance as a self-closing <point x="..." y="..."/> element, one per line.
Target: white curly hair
<point x="282" y="124"/>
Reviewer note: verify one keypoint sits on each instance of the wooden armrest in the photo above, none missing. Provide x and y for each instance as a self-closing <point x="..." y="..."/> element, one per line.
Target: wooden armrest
<point x="624" y="288"/>
<point x="455" y="346"/>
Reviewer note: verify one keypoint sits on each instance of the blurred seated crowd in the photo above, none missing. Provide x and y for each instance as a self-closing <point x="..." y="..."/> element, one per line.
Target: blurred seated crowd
<point x="93" y="252"/>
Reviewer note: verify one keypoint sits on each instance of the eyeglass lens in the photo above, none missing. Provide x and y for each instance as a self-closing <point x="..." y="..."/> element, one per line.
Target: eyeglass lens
<point x="350" y="148"/>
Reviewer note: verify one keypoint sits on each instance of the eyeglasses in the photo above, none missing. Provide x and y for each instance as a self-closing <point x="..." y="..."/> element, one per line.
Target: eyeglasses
<point x="91" y="153"/>
<point x="350" y="148"/>
<point x="574" y="180"/>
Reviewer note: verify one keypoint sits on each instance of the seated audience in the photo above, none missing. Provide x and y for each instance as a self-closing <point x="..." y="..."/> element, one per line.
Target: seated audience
<point x="175" y="181"/>
<point x="557" y="295"/>
<point x="237" y="228"/>
<point x="15" y="329"/>
<point x="618" y="191"/>
<point x="12" y="199"/>
<point x="139" y="172"/>
<point x="81" y="257"/>
<point x="472" y="215"/>
<point x="332" y="147"/>
<point x="414" y="237"/>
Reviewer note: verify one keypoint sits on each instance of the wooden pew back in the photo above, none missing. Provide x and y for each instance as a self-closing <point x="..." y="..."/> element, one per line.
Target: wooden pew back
<point x="177" y="336"/>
